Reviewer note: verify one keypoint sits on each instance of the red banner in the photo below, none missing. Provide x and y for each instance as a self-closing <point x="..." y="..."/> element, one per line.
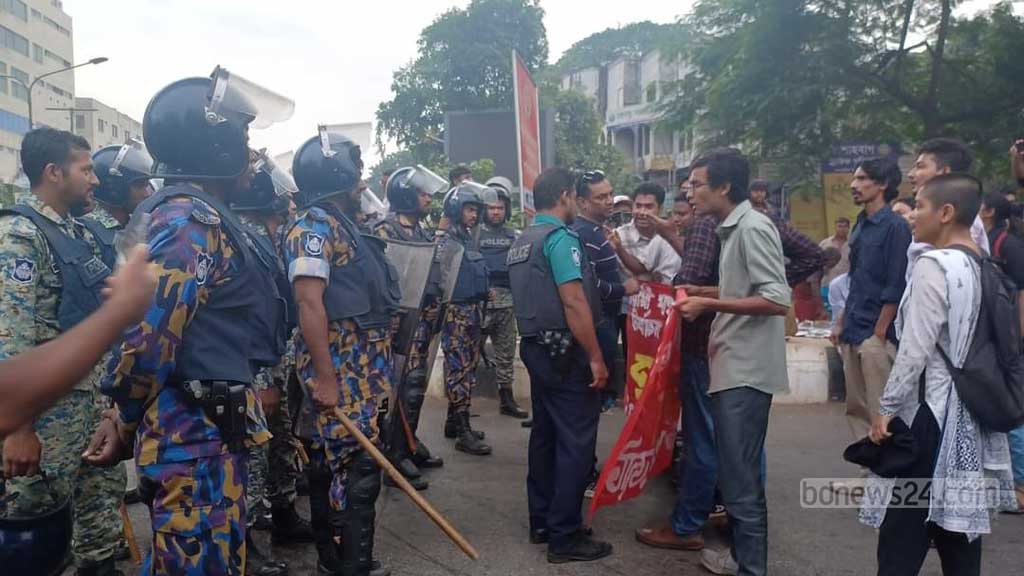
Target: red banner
<point x="648" y="311"/>
<point x="644" y="448"/>
<point x="527" y="130"/>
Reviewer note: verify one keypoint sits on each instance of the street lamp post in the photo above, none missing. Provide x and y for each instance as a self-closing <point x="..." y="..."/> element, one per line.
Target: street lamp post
<point x="28" y="87"/>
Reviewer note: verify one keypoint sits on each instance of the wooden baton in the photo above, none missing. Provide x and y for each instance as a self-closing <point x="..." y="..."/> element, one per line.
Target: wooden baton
<point x="411" y="492"/>
<point x="129" y="536"/>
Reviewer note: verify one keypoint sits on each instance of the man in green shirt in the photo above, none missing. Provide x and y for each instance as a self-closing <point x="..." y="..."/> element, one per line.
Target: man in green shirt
<point x="747" y="350"/>
<point x="557" y="307"/>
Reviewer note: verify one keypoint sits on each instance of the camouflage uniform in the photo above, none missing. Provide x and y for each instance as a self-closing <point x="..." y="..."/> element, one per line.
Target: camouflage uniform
<point x="500" y="325"/>
<point x="30" y="290"/>
<point x="361" y="357"/>
<point x="194" y="484"/>
<point x="460" y="340"/>
<point x="273" y="469"/>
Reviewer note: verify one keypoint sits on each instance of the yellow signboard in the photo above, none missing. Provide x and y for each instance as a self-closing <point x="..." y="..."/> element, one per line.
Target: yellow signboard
<point x="808" y="216"/>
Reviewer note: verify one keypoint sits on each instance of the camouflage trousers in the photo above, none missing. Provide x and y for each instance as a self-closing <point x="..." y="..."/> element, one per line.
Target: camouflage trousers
<point x="198" y="512"/>
<point x="460" y="340"/>
<point x="273" y="467"/>
<point x="64" y="432"/>
<point x="500" y="326"/>
<point x="333" y="442"/>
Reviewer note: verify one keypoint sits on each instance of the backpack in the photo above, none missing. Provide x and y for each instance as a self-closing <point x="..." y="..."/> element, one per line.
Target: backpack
<point x="991" y="381"/>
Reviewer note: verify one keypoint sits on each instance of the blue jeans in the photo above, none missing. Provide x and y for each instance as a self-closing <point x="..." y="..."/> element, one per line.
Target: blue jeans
<point x="1016" y="438"/>
<point x="698" y="468"/>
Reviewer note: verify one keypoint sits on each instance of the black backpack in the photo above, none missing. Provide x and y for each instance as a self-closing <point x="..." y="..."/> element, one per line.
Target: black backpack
<point x="991" y="382"/>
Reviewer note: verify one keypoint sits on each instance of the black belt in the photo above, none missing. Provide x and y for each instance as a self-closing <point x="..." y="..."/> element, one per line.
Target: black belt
<point x="224" y="402"/>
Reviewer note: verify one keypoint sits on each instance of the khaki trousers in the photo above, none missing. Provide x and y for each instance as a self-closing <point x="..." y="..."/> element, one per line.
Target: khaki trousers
<point x="866" y="367"/>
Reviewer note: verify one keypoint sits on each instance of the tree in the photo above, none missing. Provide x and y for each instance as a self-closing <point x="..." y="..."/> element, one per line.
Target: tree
<point x="634" y="39"/>
<point x="790" y="78"/>
<point x="464" y="63"/>
<point x="577" y="139"/>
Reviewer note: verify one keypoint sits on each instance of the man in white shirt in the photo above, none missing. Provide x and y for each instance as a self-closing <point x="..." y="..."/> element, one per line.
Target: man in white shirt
<point x="839" y="241"/>
<point x="644" y="254"/>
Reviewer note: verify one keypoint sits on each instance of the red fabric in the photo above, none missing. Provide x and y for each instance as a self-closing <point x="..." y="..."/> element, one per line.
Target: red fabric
<point x="648" y="310"/>
<point x="807" y="304"/>
<point x="644" y="448"/>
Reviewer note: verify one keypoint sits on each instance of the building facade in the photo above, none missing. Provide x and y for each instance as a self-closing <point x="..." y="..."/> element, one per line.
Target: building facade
<point x="102" y="125"/>
<point x="35" y="38"/>
<point x="627" y="93"/>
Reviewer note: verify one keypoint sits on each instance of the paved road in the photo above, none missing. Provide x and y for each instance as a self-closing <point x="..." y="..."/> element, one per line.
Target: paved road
<point x="485" y="498"/>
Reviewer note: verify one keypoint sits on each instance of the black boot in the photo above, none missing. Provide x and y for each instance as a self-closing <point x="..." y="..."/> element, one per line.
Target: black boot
<point x="258" y="564"/>
<point x="320" y="513"/>
<point x="289" y="527"/>
<point x="420" y="483"/>
<point x="424" y="459"/>
<point x="509" y="406"/>
<point x="103" y="568"/>
<point x="451" y="426"/>
<point x="362" y="486"/>
<point x="467" y="441"/>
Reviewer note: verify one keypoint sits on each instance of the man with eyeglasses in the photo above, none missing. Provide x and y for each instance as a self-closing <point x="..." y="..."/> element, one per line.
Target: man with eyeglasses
<point x="594" y="202"/>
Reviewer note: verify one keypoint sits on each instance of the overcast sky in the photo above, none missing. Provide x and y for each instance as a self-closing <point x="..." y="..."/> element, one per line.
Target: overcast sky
<point x="335" y="58"/>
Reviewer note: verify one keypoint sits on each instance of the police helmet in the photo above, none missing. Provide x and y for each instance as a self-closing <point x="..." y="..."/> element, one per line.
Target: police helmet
<point x="465" y="194"/>
<point x="198" y="127"/>
<point x="326" y="165"/>
<point x="407" y="182"/>
<point x="503" y="186"/>
<point x="118" y="168"/>
<point x="36" y="545"/>
<point x="272" y="187"/>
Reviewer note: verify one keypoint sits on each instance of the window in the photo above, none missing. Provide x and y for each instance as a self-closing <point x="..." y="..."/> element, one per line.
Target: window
<point x="113" y="130"/>
<point x="127" y="136"/>
<point x="57" y="58"/>
<point x="652" y="92"/>
<point x="101" y="126"/>
<point x="79" y="121"/>
<point x="19" y="89"/>
<point x="3" y="81"/>
<point x="53" y="24"/>
<point x="37" y="14"/>
<point x="16" y="7"/>
<point x="11" y="39"/>
<point x="37" y="53"/>
<point x="631" y="83"/>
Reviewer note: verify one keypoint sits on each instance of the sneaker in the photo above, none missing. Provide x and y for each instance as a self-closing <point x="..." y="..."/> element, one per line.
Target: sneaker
<point x="608" y="405"/>
<point x="583" y="548"/>
<point x="718" y="512"/>
<point x="719" y="562"/>
<point x="665" y="537"/>
<point x="591" y="489"/>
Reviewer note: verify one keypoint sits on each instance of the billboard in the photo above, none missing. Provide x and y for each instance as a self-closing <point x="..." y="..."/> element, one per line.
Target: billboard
<point x="527" y="106"/>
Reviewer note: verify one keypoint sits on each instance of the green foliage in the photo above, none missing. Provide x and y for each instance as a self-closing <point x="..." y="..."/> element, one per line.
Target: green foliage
<point x="607" y="46"/>
<point x="464" y="63"/>
<point x="788" y="79"/>
<point x="578" y="131"/>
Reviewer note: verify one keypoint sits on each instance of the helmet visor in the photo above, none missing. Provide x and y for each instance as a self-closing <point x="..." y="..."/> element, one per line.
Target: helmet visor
<point x="484" y="195"/>
<point x="132" y="158"/>
<point x="424" y="180"/>
<point x="234" y="94"/>
<point x="284" y="184"/>
<point x="369" y="204"/>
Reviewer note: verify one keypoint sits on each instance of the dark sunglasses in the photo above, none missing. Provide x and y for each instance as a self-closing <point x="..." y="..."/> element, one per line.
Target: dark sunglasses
<point x="587" y="178"/>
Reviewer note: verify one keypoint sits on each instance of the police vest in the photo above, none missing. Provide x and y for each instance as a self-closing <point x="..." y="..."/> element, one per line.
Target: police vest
<point x="105" y="238"/>
<point x="471" y="284"/>
<point x="218" y="344"/>
<point x="538" y="306"/>
<point x="271" y="339"/>
<point x="396" y="231"/>
<point x="494" y="245"/>
<point x="366" y="290"/>
<point x="82" y="273"/>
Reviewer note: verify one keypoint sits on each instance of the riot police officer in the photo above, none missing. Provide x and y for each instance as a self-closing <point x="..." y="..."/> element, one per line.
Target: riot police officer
<point x="557" y="306"/>
<point x="463" y="317"/>
<point x="410" y="190"/>
<point x="346" y="294"/>
<point x="263" y="208"/>
<point x="495" y="238"/>
<point x="52" y="270"/>
<point x="124" y="173"/>
<point x="182" y="380"/>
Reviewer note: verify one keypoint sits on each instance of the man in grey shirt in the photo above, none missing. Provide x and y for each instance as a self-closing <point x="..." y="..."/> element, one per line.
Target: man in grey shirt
<point x="747" y="350"/>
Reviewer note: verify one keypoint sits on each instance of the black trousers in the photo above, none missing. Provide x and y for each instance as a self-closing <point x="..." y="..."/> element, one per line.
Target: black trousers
<point x="566" y="412"/>
<point x="904" y="536"/>
<point x="741" y="423"/>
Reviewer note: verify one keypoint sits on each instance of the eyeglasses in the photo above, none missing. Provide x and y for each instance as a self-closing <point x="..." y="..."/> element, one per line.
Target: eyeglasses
<point x="587" y="178"/>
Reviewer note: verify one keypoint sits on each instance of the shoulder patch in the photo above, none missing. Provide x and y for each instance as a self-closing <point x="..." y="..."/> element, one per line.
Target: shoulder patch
<point x="317" y="213"/>
<point x="204" y="213"/>
<point x="577" y="258"/>
<point x="23" y="271"/>
<point x="313" y="243"/>
<point x="204" y="262"/>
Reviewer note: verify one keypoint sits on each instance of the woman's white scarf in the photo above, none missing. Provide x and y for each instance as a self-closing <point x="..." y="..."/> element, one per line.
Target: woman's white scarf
<point x="971" y="459"/>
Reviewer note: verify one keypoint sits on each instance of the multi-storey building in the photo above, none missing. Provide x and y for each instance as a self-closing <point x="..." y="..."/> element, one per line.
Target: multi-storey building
<point x="627" y="93"/>
<point x="102" y="125"/>
<point x="35" y="38"/>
